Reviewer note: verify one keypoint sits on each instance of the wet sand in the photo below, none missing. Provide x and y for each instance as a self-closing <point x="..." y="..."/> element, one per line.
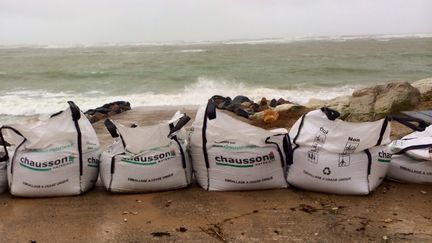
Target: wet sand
<point x="394" y="212"/>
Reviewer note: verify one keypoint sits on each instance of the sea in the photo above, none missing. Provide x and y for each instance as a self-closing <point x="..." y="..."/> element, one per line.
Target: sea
<point x="38" y="80"/>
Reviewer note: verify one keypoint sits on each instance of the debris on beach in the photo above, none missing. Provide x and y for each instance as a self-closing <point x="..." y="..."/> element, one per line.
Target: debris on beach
<point x="160" y="234"/>
<point x="181" y="229"/>
<point x="107" y="110"/>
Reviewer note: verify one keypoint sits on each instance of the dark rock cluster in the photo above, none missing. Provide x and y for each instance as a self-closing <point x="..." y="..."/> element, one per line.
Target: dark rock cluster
<point x="107" y="110"/>
<point x="245" y="107"/>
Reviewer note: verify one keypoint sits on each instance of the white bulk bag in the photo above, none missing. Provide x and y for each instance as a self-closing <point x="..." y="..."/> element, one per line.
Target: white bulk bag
<point x="56" y="157"/>
<point x="145" y="159"/>
<point x="231" y="155"/>
<point x="334" y="156"/>
<point x="412" y="158"/>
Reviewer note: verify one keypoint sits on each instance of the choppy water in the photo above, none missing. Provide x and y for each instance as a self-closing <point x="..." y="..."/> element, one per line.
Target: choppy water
<point x="40" y="79"/>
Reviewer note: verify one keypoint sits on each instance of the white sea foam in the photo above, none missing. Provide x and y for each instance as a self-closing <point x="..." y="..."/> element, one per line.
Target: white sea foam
<point x="337" y="38"/>
<point x="192" y="50"/>
<point x="39" y="102"/>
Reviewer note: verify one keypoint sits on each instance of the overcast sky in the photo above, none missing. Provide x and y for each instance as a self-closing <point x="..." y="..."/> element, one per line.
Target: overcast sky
<point x="118" y="21"/>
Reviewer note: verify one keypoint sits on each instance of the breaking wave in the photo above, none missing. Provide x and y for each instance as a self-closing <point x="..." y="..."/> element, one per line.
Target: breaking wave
<point x="40" y="102"/>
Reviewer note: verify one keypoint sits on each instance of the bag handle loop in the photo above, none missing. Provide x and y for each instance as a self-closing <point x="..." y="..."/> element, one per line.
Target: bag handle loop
<point x="179" y="125"/>
<point x="76" y="112"/>
<point x="330" y="113"/>
<point x="408" y="122"/>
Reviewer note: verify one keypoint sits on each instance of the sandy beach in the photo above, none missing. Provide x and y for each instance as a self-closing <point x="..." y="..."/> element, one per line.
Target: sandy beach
<point x="395" y="212"/>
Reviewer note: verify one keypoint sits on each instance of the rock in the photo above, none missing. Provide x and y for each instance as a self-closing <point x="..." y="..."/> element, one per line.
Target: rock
<point x="245" y="105"/>
<point x="316" y="103"/>
<point x="425" y="88"/>
<point x="340" y="104"/>
<point x="373" y="103"/>
<point x="240" y="99"/>
<point x="273" y="103"/>
<point x="284" y="107"/>
<point x="282" y="101"/>
<point x="255" y="107"/>
<point x="107" y="110"/>
<point x="270" y="116"/>
<point x="263" y="105"/>
<point x="341" y="101"/>
<point x="240" y="112"/>
<point x="218" y="99"/>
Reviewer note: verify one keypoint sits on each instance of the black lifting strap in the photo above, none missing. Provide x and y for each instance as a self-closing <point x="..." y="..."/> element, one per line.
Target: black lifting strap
<point x="287" y="146"/>
<point x="209" y="114"/>
<point x="267" y="141"/>
<point x="409" y="122"/>
<point x="76" y="115"/>
<point x="6" y="156"/>
<point x="174" y="128"/>
<point x="330" y="113"/>
<point x="112" y="129"/>
<point x="180" y="124"/>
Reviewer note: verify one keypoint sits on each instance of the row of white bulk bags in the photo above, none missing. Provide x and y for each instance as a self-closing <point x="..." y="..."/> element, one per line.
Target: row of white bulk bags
<point x="56" y="157"/>
<point x="145" y="159"/>
<point x="60" y="156"/>
<point x="334" y="156"/>
<point x="231" y="155"/>
<point x="412" y="158"/>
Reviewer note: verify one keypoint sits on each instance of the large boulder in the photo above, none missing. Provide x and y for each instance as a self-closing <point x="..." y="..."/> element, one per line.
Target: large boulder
<point x="425" y="88"/>
<point x="373" y="103"/>
<point x="340" y="104"/>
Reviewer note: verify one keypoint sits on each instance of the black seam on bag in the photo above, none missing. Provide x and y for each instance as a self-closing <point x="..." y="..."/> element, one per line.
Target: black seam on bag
<point x="112" y="172"/>
<point x="298" y="133"/>
<point x="369" y="161"/>
<point x="284" y="166"/>
<point x="181" y="152"/>
<point x="14" y="156"/>
<point x="79" y="138"/>
<point x="288" y="149"/>
<point x="383" y="129"/>
<point x="204" y="144"/>
<point x="183" y="158"/>
<point x="414" y="147"/>
<point x="278" y="149"/>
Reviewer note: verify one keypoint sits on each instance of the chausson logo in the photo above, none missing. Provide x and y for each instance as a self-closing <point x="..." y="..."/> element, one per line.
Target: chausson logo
<point x="244" y="162"/>
<point x="46" y="165"/>
<point x="93" y="162"/>
<point x="151" y="160"/>
<point x="384" y="157"/>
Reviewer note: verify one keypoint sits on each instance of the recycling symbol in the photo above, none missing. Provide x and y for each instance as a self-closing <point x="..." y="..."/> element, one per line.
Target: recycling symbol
<point x="327" y="171"/>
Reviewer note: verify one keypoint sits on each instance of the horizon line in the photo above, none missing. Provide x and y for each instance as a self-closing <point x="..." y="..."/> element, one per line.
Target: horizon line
<point x="275" y="40"/>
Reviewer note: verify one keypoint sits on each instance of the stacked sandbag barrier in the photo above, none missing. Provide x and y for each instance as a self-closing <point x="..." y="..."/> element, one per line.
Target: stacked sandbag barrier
<point x="412" y="158"/>
<point x="145" y="159"/>
<point x="56" y="157"/>
<point x="230" y="155"/>
<point x="334" y="156"/>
